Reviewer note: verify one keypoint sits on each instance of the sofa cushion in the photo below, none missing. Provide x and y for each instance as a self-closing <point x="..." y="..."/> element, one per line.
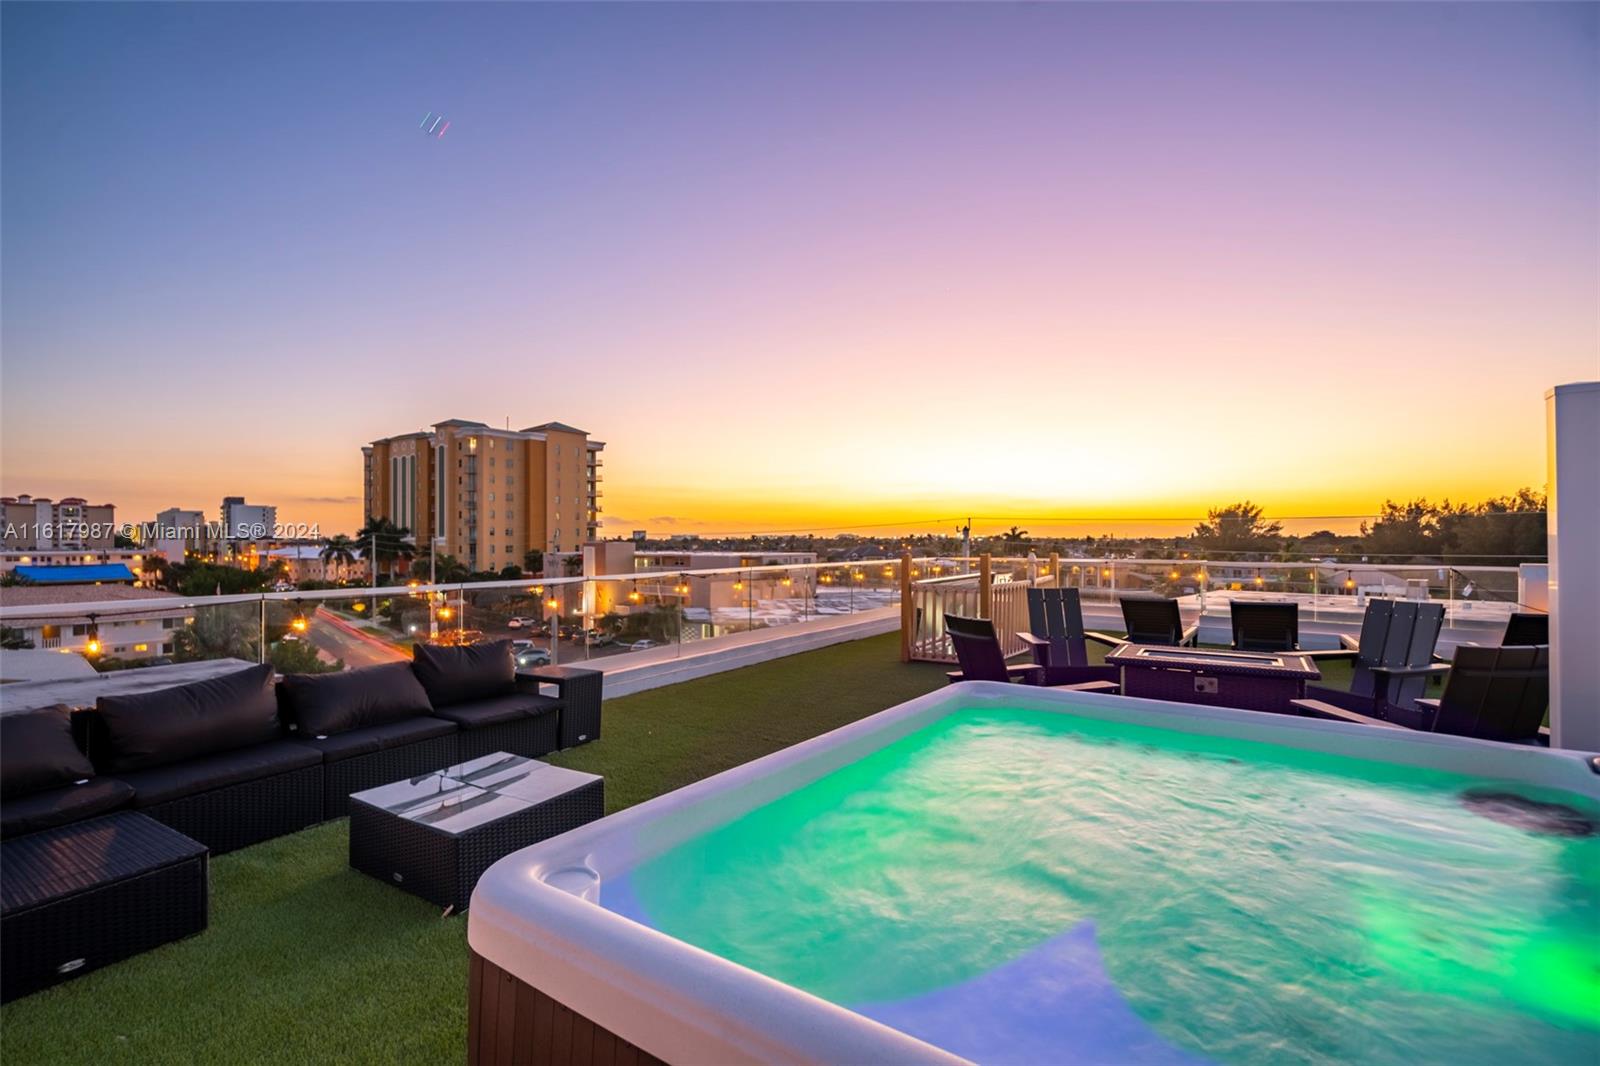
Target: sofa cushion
<point x="498" y="709"/>
<point x="158" y="784"/>
<point x="471" y="672"/>
<point x="37" y="752"/>
<point x="338" y="746"/>
<point x="351" y="699"/>
<point x="59" y="806"/>
<point x="171" y="725"/>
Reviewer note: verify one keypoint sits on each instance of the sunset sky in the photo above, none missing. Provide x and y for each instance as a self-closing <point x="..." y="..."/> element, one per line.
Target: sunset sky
<point x="801" y="267"/>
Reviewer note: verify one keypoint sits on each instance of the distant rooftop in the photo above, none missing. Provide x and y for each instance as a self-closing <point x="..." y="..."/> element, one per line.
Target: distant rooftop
<point x="558" y="427"/>
<point x="49" y="595"/>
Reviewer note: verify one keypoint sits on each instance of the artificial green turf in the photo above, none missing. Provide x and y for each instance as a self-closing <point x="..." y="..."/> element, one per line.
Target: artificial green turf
<point x="308" y="961"/>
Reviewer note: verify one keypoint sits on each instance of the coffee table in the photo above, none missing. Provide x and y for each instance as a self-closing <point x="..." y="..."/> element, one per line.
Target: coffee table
<point x="1215" y="677"/>
<point x="434" y="835"/>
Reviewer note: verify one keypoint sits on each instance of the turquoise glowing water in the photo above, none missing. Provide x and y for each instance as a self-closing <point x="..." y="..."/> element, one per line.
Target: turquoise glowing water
<point x="1006" y="882"/>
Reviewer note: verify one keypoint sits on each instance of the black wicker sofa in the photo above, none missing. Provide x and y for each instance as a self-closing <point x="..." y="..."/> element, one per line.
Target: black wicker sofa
<point x="234" y="760"/>
<point x="210" y="759"/>
<point x="45" y="778"/>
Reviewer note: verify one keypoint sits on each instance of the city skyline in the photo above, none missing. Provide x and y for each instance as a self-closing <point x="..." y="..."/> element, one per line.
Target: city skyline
<point x="801" y="267"/>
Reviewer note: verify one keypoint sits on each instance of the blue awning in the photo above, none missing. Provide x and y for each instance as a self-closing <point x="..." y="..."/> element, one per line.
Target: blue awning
<point x="75" y="575"/>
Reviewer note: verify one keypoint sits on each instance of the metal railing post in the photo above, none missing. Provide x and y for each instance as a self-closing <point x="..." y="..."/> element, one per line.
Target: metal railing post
<point x="907" y="608"/>
<point x="985" y="586"/>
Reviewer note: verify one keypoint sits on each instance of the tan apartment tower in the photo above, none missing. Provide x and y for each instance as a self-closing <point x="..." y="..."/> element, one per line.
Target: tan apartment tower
<point x="487" y="496"/>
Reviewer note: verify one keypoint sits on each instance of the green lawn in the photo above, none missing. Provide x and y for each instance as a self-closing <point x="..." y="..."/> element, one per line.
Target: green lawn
<point x="307" y="961"/>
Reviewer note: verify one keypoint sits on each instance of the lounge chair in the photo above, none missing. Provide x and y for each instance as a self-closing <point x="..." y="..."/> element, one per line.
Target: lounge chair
<point x="1393" y="660"/>
<point x="978" y="650"/>
<point x="1155" y="620"/>
<point x="1059" y="642"/>
<point x="1491" y="694"/>
<point x="1265" y="625"/>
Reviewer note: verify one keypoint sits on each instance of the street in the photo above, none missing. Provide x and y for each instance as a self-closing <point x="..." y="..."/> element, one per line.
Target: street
<point x="341" y="640"/>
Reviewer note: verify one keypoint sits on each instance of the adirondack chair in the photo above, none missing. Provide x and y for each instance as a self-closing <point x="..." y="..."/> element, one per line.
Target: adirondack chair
<point x="1155" y="620"/>
<point x="1491" y="693"/>
<point x="1525" y="628"/>
<point x="1265" y="625"/>
<point x="1393" y="660"/>
<point x="1059" y="642"/>
<point x="978" y="650"/>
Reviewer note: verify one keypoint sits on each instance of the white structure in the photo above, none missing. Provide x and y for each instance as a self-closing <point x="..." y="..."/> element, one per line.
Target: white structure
<point x="246" y="522"/>
<point x="1572" y="427"/>
<point x="176" y="532"/>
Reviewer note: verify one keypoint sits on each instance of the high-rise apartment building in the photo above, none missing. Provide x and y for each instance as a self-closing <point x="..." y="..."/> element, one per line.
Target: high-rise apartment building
<point x="487" y="496"/>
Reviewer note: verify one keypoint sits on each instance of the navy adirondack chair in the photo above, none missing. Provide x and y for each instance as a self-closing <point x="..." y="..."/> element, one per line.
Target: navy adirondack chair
<point x="977" y="648"/>
<point x="1526" y="628"/>
<point x="1265" y="625"/>
<point x="1491" y="693"/>
<point x="1155" y="620"/>
<point x="1058" y="640"/>
<point x="1393" y="660"/>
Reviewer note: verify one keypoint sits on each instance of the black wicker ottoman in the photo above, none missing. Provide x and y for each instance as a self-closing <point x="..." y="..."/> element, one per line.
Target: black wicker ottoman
<point x="85" y="895"/>
<point x="580" y="692"/>
<point x="435" y="835"/>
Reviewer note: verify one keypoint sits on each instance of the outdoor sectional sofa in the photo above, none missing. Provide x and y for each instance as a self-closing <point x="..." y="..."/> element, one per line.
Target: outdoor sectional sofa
<point x="235" y="760"/>
<point x="109" y="815"/>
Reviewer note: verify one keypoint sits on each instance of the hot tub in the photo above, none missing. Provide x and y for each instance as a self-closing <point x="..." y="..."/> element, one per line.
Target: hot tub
<point x="1000" y="874"/>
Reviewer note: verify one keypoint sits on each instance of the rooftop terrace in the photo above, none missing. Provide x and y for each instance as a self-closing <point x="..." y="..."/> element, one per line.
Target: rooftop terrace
<point x="308" y="960"/>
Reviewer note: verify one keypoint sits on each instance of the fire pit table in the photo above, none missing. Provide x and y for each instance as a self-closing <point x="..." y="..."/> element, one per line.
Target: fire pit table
<point x="1215" y="677"/>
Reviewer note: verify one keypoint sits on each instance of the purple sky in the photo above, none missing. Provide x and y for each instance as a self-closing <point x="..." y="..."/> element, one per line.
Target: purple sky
<point x="801" y="265"/>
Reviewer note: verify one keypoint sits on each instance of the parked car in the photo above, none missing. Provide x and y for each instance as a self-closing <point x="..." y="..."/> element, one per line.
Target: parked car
<point x="532" y="656"/>
<point x="641" y="645"/>
<point x="521" y="621"/>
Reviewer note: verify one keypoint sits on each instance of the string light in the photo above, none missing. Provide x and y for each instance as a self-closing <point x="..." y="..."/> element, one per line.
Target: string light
<point x="92" y="645"/>
<point x="552" y="603"/>
<point x="298" y="623"/>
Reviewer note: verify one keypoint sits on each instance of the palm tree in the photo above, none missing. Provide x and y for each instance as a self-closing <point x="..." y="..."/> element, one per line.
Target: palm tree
<point x="155" y="570"/>
<point x="339" y="551"/>
<point x="1014" y="535"/>
<point x="383" y="544"/>
<point x="448" y="570"/>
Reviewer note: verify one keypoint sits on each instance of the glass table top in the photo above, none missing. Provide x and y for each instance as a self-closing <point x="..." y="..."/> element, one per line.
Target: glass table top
<point x="472" y="794"/>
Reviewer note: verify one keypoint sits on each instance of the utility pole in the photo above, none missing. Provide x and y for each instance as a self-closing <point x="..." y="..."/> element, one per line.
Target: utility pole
<point x="433" y="579"/>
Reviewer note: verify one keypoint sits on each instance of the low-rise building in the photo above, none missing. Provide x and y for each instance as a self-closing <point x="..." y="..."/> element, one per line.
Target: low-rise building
<point x="304" y="562"/>
<point x="133" y="633"/>
<point x="130" y="558"/>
